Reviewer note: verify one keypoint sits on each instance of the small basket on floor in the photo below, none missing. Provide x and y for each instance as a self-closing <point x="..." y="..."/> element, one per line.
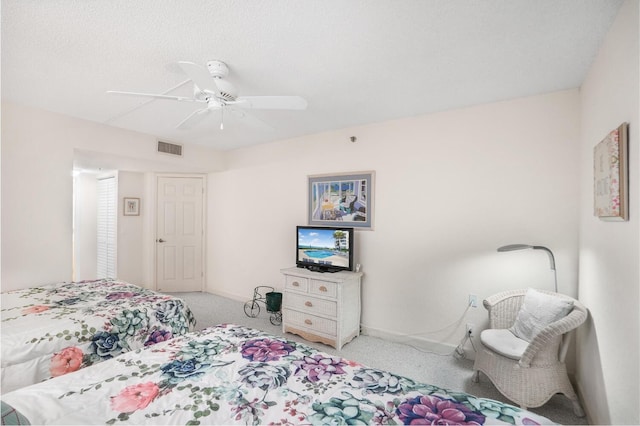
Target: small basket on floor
<point x="272" y="301"/>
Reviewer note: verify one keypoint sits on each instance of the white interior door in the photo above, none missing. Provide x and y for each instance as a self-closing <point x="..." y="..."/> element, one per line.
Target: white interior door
<point x="180" y="234"/>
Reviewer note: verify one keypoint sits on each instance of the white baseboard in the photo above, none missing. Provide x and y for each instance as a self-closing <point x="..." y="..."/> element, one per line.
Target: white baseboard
<point x="418" y="342"/>
<point x="232" y="296"/>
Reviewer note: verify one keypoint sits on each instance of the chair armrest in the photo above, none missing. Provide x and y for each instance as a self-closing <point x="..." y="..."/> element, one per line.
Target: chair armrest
<point x="545" y="337"/>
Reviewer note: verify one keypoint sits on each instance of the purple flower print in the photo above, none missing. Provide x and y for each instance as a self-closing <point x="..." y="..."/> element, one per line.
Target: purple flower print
<point x="319" y="368"/>
<point x="429" y="409"/>
<point x="120" y="295"/>
<point x="158" y="336"/>
<point x="266" y="349"/>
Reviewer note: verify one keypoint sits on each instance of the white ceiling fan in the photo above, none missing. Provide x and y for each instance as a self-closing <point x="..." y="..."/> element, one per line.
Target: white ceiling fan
<point x="217" y="94"/>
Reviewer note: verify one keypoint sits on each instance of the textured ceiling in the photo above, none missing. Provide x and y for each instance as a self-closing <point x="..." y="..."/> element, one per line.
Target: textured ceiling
<point x="355" y="61"/>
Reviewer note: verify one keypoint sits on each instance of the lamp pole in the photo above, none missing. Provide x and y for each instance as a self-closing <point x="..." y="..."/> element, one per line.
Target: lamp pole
<point x="552" y="260"/>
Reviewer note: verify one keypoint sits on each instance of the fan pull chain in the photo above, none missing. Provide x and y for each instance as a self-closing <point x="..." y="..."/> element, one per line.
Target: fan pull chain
<point x="222" y="118"/>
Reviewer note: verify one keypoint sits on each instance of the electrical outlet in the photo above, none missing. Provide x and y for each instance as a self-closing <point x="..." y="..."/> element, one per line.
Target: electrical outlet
<point x="470" y="328"/>
<point x="473" y="300"/>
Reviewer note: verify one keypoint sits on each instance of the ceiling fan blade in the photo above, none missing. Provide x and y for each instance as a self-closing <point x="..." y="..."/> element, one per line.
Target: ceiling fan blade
<point x="153" y="95"/>
<point x="249" y="119"/>
<point x="271" y="102"/>
<point x="130" y="110"/>
<point x="200" y="77"/>
<point x="194" y="118"/>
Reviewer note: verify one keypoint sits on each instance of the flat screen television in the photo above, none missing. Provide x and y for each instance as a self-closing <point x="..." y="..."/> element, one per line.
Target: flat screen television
<point x="324" y="248"/>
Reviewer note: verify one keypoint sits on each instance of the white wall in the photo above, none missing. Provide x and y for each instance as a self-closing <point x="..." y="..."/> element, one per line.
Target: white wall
<point x="85" y="232"/>
<point x="608" y="369"/>
<point x="38" y="151"/>
<point x="131" y="228"/>
<point x="36" y="199"/>
<point x="450" y="189"/>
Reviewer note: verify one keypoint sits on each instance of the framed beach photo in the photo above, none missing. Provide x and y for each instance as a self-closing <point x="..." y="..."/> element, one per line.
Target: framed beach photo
<point x="611" y="176"/>
<point x="132" y="206"/>
<point x="345" y="199"/>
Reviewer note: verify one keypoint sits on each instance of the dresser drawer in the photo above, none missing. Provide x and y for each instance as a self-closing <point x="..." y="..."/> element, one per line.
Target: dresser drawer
<point x="310" y="322"/>
<point x="311" y="305"/>
<point x="296" y="283"/>
<point x="323" y="288"/>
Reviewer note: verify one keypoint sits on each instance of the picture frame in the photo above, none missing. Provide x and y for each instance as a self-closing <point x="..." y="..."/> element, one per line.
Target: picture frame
<point x="344" y="199"/>
<point x="131" y="206"/>
<point x="611" y="176"/>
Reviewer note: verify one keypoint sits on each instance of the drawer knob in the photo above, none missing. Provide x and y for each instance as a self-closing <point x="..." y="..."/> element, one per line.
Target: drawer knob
<point x="295" y="284"/>
<point x="308" y="322"/>
<point x="308" y="304"/>
<point x="323" y="288"/>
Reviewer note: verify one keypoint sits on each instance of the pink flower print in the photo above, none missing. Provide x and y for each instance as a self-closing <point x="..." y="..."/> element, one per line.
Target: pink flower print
<point x="67" y="360"/>
<point x="134" y="397"/>
<point x="35" y="309"/>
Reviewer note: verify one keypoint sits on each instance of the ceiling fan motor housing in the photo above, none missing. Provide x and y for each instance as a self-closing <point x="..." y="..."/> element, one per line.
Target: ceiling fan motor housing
<point x="219" y="70"/>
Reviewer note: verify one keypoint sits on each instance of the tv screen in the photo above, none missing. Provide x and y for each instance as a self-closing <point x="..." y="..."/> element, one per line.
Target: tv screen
<point x="324" y="248"/>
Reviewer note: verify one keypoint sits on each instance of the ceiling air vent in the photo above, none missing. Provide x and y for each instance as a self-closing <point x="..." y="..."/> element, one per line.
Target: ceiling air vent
<point x="170" y="148"/>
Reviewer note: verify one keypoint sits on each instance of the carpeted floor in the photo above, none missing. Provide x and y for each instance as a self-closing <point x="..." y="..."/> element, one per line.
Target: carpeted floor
<point x="444" y="371"/>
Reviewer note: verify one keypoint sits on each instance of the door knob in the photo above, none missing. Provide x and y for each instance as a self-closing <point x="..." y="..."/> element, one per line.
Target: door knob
<point x="160" y="240"/>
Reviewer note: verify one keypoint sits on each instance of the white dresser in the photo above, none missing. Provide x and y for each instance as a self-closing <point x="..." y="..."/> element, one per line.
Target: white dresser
<point x="321" y="307"/>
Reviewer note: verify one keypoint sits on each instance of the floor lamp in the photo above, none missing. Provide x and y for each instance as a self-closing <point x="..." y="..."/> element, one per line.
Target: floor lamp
<point x="552" y="260"/>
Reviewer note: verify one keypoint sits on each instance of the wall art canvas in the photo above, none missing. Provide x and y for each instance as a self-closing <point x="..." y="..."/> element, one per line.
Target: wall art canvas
<point x="611" y="176"/>
<point x="344" y="199"/>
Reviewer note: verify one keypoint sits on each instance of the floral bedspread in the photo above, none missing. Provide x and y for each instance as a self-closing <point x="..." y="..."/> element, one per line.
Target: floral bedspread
<point x="52" y="330"/>
<point x="236" y="375"/>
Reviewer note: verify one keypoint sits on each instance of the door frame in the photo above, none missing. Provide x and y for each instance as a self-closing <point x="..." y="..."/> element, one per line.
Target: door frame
<point x="154" y="219"/>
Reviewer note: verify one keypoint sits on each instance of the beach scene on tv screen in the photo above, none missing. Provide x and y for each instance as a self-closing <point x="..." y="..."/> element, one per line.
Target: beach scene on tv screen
<point x="324" y="247"/>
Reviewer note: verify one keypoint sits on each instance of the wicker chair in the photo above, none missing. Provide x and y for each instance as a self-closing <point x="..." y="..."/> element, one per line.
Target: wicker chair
<point x="540" y="372"/>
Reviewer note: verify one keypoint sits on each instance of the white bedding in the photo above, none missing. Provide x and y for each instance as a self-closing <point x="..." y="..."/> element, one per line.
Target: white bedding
<point x="236" y="375"/>
<point x="52" y="330"/>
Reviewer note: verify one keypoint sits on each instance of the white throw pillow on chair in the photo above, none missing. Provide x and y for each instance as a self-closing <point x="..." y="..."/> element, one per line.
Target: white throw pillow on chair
<point x="537" y="311"/>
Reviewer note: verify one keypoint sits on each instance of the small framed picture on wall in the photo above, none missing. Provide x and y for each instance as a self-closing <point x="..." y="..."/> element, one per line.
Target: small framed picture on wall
<point x="132" y="206"/>
<point x="611" y="176"/>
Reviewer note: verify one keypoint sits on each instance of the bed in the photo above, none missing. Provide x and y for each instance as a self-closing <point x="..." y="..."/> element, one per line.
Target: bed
<point x="231" y="374"/>
<point x="55" y="329"/>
